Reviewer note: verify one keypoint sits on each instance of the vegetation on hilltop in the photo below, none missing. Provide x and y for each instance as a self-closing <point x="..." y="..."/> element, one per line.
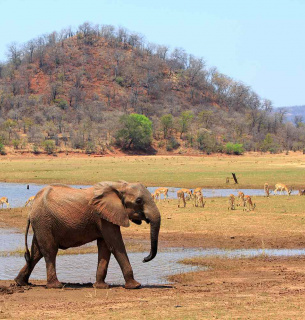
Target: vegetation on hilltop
<point x="76" y="87"/>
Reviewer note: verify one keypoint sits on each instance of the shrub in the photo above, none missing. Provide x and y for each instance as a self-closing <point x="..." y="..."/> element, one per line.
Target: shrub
<point x="2" y="149"/>
<point x="36" y="149"/>
<point x="232" y="148"/>
<point x="49" y="146"/>
<point x="16" y="143"/>
<point x="90" y="147"/>
<point x="207" y="142"/>
<point x="119" y="81"/>
<point x="61" y="103"/>
<point x="172" y="144"/>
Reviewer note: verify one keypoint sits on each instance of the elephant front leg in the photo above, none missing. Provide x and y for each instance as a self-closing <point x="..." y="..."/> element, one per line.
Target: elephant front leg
<point x="113" y="238"/>
<point x="102" y="266"/>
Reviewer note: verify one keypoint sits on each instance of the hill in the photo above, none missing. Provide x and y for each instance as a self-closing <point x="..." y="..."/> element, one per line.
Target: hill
<point x="71" y="88"/>
<point x="295" y="113"/>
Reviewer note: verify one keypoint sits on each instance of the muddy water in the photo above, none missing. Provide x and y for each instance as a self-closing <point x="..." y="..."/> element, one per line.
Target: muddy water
<point x="18" y="193"/>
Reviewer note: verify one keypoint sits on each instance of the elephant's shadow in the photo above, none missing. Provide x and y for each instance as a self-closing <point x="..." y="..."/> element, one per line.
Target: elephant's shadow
<point x="79" y="286"/>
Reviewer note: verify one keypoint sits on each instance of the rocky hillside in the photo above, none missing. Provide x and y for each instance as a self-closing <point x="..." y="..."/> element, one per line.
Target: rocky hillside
<point x="73" y="86"/>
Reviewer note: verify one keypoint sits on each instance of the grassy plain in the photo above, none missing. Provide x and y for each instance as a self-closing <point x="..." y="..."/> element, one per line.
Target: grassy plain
<point x="256" y="288"/>
<point x="252" y="170"/>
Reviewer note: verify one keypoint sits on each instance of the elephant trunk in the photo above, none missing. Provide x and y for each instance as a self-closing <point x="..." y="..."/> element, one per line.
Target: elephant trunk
<point x="154" y="233"/>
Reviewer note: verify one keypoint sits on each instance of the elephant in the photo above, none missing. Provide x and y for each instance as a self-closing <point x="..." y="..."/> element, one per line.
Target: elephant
<point x="64" y="217"/>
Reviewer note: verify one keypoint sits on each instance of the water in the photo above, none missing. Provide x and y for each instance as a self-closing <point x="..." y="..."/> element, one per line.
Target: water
<point x="82" y="268"/>
<point x="17" y="193"/>
<point x="11" y="239"/>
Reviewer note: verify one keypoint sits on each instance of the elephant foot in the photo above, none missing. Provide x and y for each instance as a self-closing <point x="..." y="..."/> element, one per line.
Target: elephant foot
<point x="101" y="285"/>
<point x="21" y="282"/>
<point x="132" y="284"/>
<point x="54" y="285"/>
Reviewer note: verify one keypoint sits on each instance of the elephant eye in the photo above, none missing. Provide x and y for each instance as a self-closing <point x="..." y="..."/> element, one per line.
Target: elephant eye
<point x="139" y="201"/>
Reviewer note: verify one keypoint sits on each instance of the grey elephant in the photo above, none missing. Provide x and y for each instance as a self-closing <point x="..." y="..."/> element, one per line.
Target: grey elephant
<point x="64" y="217"/>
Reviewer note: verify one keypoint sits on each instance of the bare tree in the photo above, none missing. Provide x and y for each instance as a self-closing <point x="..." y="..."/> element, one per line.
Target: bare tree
<point x="14" y="54"/>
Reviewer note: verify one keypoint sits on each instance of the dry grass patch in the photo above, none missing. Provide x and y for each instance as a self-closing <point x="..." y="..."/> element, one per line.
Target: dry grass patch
<point x="252" y="170"/>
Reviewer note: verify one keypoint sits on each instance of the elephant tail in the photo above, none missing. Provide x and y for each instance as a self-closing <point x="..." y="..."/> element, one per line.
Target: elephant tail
<point x="27" y="255"/>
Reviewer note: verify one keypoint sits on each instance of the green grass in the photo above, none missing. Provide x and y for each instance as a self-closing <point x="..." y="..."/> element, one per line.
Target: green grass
<point x="178" y="171"/>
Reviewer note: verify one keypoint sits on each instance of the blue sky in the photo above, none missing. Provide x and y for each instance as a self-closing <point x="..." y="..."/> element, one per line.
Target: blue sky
<point x="258" y="42"/>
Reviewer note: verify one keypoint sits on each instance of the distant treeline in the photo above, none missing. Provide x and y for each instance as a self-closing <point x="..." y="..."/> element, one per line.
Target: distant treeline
<point x="74" y="89"/>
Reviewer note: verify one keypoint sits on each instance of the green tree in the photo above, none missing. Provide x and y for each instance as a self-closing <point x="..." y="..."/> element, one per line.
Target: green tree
<point x="268" y="144"/>
<point x="167" y="123"/>
<point x="136" y="132"/>
<point x="185" y="121"/>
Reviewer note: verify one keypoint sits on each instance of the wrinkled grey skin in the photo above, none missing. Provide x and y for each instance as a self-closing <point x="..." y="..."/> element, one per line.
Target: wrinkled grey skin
<point x="64" y="217"/>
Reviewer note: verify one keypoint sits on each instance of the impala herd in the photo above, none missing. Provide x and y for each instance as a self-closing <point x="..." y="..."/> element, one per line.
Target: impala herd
<point x="197" y="197"/>
<point x="241" y="200"/>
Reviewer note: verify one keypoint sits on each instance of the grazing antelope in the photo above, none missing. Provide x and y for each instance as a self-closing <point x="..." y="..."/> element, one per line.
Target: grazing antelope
<point x="198" y="199"/>
<point x="266" y="189"/>
<point x="160" y="191"/>
<point x="231" y="202"/>
<point x="241" y="197"/>
<point x="30" y="201"/>
<point x="180" y="195"/>
<point x="249" y="204"/>
<point x="4" y="200"/>
<point x="197" y="190"/>
<point x="188" y="192"/>
<point x="281" y="187"/>
<point x="302" y="192"/>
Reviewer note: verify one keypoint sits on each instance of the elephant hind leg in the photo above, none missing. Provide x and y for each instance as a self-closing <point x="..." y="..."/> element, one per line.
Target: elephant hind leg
<point x="23" y="277"/>
<point x="49" y="249"/>
<point x="50" y="258"/>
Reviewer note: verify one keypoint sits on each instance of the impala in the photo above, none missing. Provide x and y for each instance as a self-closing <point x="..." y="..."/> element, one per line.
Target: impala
<point x="282" y="187"/>
<point x="4" y="200"/>
<point x="180" y="196"/>
<point x="241" y="197"/>
<point x="249" y="204"/>
<point x="302" y="192"/>
<point x="231" y="202"/>
<point x="30" y="201"/>
<point x="159" y="191"/>
<point x="198" y="199"/>
<point x="266" y="189"/>
<point x="198" y="190"/>
<point x="189" y="193"/>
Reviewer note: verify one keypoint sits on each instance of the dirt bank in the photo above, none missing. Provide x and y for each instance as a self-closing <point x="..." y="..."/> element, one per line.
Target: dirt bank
<point x="258" y="288"/>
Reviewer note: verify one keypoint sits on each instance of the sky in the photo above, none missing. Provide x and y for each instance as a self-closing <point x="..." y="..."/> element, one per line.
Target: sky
<point x="257" y="42"/>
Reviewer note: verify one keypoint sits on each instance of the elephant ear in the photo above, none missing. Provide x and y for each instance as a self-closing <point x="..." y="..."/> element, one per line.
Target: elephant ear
<point x="107" y="202"/>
